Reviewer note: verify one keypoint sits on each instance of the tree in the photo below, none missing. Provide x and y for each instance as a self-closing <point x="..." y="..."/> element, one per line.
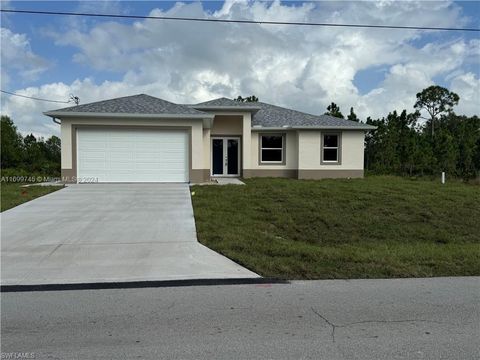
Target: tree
<point x="436" y="100"/>
<point x="11" y="144"/>
<point x="29" y="141"/>
<point x="53" y="147"/>
<point x="33" y="155"/>
<point x="334" y="110"/>
<point x="251" y="98"/>
<point x="352" y="116"/>
<point x="400" y="147"/>
<point x="446" y="151"/>
<point x="465" y="133"/>
<point x="28" y="153"/>
<point x="53" y="155"/>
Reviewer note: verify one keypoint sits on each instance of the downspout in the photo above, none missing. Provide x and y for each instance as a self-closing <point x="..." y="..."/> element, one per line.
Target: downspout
<point x="56" y="121"/>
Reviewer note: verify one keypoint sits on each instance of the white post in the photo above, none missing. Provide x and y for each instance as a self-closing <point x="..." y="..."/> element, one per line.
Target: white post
<point x="443" y="177"/>
<point x="246" y="141"/>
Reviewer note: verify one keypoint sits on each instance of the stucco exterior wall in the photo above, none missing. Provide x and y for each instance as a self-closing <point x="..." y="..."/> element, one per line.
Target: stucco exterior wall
<point x="291" y="152"/>
<point x="302" y="147"/>
<point x="207" y="155"/>
<point x="227" y="125"/>
<point x="309" y="151"/>
<point x="247" y="141"/>
<point x="66" y="144"/>
<point x="303" y="156"/>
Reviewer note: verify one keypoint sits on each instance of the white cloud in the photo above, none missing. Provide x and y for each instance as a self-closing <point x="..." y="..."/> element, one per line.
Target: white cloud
<point x="416" y="72"/>
<point x="30" y="112"/>
<point x="468" y="85"/>
<point x="301" y="67"/>
<point x="18" y="57"/>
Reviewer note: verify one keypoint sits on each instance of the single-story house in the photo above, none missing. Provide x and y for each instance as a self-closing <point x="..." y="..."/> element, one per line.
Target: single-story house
<point x="142" y="138"/>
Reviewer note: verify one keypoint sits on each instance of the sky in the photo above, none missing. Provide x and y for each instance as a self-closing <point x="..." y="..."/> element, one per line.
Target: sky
<point x="375" y="71"/>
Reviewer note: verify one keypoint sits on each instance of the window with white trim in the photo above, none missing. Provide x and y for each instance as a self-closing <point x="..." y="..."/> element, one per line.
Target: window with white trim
<point x="272" y="148"/>
<point x="331" y="146"/>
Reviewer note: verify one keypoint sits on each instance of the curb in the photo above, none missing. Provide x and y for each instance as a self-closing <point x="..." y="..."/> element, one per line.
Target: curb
<point x="140" y="284"/>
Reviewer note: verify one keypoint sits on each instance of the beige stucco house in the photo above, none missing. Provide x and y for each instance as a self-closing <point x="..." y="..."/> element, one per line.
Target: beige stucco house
<point x="141" y="138"/>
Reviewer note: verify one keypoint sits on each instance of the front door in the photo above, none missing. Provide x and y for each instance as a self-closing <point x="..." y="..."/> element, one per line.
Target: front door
<point x="225" y="156"/>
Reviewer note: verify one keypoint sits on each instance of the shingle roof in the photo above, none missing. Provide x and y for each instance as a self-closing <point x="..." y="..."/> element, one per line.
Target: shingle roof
<point x="269" y="116"/>
<point x="223" y="101"/>
<point x="263" y="114"/>
<point x="276" y="116"/>
<point x="135" y="104"/>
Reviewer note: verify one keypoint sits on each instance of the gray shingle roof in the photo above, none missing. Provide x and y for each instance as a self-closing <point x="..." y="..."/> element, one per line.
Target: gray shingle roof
<point x="223" y="101"/>
<point x="275" y="116"/>
<point x="135" y="104"/>
<point x="263" y="114"/>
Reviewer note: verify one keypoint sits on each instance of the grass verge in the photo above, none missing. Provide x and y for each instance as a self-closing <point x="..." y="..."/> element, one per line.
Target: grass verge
<point x="376" y="227"/>
<point x="13" y="194"/>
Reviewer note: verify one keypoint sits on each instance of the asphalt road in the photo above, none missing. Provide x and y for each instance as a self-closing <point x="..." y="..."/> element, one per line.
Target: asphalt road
<point x="359" y="319"/>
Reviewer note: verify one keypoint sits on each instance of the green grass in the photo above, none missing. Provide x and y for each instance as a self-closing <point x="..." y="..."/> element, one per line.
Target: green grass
<point x="377" y="227"/>
<point x="12" y="194"/>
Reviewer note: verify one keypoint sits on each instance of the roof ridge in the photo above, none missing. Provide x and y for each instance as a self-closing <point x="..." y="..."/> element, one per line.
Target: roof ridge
<point x="224" y="101"/>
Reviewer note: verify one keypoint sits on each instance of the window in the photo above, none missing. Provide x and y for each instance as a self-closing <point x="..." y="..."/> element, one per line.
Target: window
<point x="272" y="149"/>
<point x="330" y="148"/>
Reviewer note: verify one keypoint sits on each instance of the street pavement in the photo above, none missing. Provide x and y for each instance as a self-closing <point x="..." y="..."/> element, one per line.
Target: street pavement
<point x="434" y="318"/>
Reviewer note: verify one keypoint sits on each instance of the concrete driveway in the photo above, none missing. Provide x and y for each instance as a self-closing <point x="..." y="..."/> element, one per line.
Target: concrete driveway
<point x="108" y="233"/>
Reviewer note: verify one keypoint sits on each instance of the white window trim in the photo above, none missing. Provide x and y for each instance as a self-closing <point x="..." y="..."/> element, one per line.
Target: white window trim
<point x="282" y="149"/>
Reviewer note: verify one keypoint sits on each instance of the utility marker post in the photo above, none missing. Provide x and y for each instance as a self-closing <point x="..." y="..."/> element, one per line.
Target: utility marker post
<point x="443" y="177"/>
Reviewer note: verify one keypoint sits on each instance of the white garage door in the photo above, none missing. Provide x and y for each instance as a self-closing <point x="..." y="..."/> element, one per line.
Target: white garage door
<point x="126" y="155"/>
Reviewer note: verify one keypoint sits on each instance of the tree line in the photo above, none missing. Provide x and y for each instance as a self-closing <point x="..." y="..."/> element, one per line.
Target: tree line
<point x="28" y="153"/>
<point x="408" y="144"/>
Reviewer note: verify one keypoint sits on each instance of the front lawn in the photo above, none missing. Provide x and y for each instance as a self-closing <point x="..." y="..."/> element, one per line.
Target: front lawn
<point x="13" y="194"/>
<point x="376" y="227"/>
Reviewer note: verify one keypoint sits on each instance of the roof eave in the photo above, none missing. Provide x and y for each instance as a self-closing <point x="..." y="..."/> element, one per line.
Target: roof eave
<point x="66" y="114"/>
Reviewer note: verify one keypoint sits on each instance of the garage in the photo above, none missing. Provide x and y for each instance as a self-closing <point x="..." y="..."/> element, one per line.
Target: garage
<point x="131" y="155"/>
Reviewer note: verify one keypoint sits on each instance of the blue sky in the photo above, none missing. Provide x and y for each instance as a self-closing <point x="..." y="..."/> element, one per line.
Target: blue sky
<point x="32" y="25"/>
<point x="375" y="71"/>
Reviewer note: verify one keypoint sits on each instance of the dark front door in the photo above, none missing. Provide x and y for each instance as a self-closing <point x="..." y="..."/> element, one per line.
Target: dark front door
<point x="225" y="156"/>
<point x="217" y="157"/>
